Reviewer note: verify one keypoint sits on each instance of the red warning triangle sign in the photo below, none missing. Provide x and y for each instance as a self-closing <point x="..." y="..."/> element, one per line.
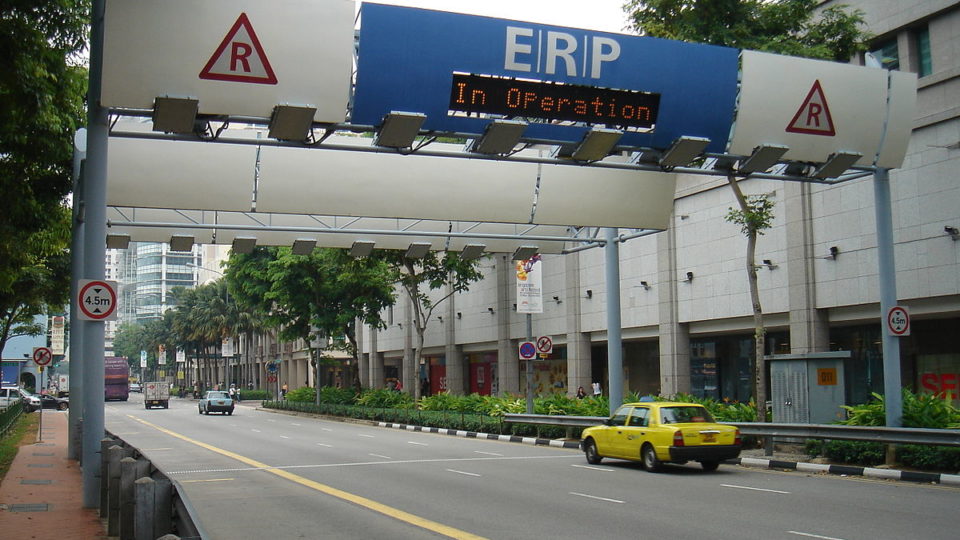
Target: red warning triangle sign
<point x="240" y="57"/>
<point x="813" y="116"/>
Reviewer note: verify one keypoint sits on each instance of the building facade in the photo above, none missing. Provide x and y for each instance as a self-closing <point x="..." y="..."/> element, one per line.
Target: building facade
<point x="686" y="312"/>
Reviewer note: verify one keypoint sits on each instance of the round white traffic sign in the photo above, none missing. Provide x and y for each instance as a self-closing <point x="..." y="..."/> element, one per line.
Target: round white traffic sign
<point x="544" y="345"/>
<point x="898" y="321"/>
<point x="42" y="355"/>
<point x="97" y="300"/>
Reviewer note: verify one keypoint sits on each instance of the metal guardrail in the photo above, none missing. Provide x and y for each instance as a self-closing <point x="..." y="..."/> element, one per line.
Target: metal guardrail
<point x="880" y="434"/>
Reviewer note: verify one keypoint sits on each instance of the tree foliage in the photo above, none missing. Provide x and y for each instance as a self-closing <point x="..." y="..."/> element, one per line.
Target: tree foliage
<point x="42" y="91"/>
<point x="780" y="26"/>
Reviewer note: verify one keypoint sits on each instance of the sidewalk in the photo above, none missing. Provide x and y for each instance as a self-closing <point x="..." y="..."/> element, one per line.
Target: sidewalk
<point x="42" y="494"/>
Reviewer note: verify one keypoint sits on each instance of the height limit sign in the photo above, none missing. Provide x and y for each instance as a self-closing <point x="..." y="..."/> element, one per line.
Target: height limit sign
<point x="97" y="300"/>
<point x="898" y="321"/>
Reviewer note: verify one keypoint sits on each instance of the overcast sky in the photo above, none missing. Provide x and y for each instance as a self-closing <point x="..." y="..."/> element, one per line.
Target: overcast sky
<point x="605" y="15"/>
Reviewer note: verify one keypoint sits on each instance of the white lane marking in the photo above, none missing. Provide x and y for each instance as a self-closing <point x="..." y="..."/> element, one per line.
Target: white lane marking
<point x="284" y="437"/>
<point x="153" y="449"/>
<point x="365" y="435"/>
<point x="487" y="453"/>
<point x="755" y="489"/>
<point x="380" y="456"/>
<point x="465" y="473"/>
<point x="592" y="468"/>
<point x="210" y="480"/>
<point x="418" y="443"/>
<point x="255" y="430"/>
<point x="270" y="420"/>
<point x="596" y="498"/>
<point x="808" y="535"/>
<point x="293" y="424"/>
<point x="321" y="444"/>
<point x="325" y="429"/>
<point x="369" y="463"/>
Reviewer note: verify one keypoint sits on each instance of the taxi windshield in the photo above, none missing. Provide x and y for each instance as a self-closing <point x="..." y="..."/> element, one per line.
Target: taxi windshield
<point x="684" y="415"/>
<point x="217" y="395"/>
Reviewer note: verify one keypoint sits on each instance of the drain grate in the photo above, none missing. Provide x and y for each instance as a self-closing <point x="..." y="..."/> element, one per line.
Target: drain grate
<point x="44" y="454"/>
<point x="36" y="482"/>
<point x="39" y="507"/>
<point x="40" y="465"/>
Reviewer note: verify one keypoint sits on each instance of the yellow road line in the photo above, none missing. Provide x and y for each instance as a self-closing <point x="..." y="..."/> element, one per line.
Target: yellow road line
<point x="389" y="511"/>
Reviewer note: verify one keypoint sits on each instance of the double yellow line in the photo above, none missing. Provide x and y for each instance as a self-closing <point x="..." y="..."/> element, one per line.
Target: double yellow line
<point x="389" y="511"/>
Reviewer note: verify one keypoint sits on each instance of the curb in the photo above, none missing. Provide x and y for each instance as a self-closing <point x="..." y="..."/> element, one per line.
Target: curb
<point x="850" y="470"/>
<point x="842" y="470"/>
<point x="490" y="436"/>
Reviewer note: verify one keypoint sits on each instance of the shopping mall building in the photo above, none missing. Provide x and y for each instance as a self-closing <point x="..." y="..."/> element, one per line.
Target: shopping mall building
<point x="686" y="314"/>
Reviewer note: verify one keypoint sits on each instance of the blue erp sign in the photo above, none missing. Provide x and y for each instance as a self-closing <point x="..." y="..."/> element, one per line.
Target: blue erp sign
<point x="464" y="70"/>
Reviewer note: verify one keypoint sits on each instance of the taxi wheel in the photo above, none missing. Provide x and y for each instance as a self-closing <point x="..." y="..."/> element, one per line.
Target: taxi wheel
<point x="230" y="413"/>
<point x="590" y="449"/>
<point x="710" y="465"/>
<point x="62" y="406"/>
<point x="650" y="461"/>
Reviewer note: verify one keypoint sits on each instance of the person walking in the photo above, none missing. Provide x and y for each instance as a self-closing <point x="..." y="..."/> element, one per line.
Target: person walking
<point x="596" y="390"/>
<point x="581" y="393"/>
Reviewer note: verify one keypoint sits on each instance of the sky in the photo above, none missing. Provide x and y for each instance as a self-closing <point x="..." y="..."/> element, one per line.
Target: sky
<point x="605" y="15"/>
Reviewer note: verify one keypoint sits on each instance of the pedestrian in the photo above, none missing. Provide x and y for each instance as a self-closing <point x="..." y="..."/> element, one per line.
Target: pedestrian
<point x="596" y="389"/>
<point x="283" y="391"/>
<point x="581" y="393"/>
<point x="233" y="393"/>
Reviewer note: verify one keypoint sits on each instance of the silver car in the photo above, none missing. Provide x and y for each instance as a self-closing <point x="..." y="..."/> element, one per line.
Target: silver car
<point x="215" y="401"/>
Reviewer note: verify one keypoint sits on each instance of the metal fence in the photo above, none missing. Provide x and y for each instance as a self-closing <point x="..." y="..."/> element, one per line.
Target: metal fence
<point x="880" y="434"/>
<point x="9" y="415"/>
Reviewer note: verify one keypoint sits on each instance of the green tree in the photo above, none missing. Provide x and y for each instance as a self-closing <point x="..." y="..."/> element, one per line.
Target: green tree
<point x="42" y="89"/>
<point x="312" y="297"/>
<point x="40" y="284"/>
<point x="418" y="277"/>
<point x="792" y="27"/>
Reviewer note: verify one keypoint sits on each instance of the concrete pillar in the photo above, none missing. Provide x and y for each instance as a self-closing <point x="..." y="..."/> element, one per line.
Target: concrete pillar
<point x="809" y="328"/>
<point x="115" y="453"/>
<point x="674" y="335"/>
<point x="456" y="382"/>
<point x="131" y="470"/>
<point x="508" y="359"/>
<point x="144" y="491"/>
<point x="579" y="359"/>
<point x="363" y="359"/>
<point x="408" y="368"/>
<point x="376" y="362"/>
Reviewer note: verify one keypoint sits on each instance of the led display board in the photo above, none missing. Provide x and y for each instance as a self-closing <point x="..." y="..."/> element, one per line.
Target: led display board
<point x="562" y="81"/>
<point x="553" y="101"/>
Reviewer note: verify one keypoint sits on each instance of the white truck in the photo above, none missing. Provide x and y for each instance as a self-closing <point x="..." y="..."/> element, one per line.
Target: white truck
<point x="156" y="394"/>
<point x="63" y="385"/>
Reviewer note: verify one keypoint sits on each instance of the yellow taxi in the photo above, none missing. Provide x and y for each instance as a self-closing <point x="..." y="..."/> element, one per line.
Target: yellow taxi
<point x="662" y="432"/>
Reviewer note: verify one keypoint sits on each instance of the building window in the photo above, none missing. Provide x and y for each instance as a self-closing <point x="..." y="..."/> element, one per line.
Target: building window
<point x="887" y="54"/>
<point x="924" y="61"/>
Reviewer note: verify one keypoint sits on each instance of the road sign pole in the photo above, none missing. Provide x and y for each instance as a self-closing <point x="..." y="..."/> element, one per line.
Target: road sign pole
<point x="95" y="230"/>
<point x="529" y="366"/>
<point x="74" y="442"/>
<point x="888" y="298"/>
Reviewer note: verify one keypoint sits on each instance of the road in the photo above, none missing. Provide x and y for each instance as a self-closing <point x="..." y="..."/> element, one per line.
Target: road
<point x="259" y="474"/>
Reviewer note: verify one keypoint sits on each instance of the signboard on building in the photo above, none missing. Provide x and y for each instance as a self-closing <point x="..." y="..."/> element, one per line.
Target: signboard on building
<point x="462" y="70"/>
<point x="58" y="335"/>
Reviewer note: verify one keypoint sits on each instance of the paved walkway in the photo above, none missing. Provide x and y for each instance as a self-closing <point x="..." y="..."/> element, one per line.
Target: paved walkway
<point x="42" y="494"/>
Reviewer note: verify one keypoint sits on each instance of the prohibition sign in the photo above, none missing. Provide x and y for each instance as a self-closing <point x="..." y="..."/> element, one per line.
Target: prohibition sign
<point x="97" y="300"/>
<point x="544" y="345"/>
<point x="527" y="350"/>
<point x="898" y="321"/>
<point x="42" y="356"/>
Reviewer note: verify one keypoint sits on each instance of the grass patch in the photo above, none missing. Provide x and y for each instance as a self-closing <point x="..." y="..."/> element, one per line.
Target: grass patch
<point x="25" y="432"/>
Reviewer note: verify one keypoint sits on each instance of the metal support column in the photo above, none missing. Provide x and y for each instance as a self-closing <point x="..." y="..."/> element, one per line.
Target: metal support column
<point x="529" y="367"/>
<point x="95" y="230"/>
<point x="74" y="443"/>
<point x="888" y="297"/>
<point x="611" y="251"/>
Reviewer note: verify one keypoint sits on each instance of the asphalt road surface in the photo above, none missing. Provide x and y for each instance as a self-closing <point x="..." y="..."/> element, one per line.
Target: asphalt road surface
<point x="258" y="474"/>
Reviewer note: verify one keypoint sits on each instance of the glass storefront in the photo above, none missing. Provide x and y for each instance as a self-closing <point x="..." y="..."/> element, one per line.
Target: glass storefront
<point x="721" y="367"/>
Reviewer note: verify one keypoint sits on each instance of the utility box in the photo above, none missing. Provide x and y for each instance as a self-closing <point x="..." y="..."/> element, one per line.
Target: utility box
<point x="808" y="388"/>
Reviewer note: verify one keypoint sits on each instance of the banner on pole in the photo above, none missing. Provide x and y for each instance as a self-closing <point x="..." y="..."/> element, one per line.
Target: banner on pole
<point x="529" y="285"/>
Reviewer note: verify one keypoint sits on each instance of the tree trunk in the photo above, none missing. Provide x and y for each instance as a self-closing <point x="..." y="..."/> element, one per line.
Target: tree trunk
<point x="759" y="380"/>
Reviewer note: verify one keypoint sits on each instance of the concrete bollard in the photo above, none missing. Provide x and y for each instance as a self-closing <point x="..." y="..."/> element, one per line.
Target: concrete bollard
<point x="143" y="513"/>
<point x="162" y="507"/>
<point x="105" y="443"/>
<point x="169" y="537"/>
<point x="131" y="470"/>
<point x="116" y="453"/>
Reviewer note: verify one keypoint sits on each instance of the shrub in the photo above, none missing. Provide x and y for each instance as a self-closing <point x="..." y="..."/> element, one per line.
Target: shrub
<point x="304" y="394"/>
<point x="255" y="395"/>
<point x="384" y="398"/>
